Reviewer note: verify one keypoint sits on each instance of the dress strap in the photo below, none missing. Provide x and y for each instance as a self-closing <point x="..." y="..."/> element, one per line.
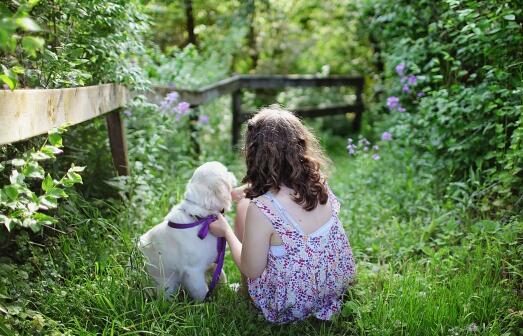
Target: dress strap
<point x="282" y="212"/>
<point x="335" y="204"/>
<point x="278" y="222"/>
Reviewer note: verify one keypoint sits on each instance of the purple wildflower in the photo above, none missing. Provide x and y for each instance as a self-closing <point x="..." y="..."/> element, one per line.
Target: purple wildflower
<point x="169" y="100"/>
<point x="6" y="87"/>
<point x="401" y="109"/>
<point x="405" y="89"/>
<point x="128" y="113"/>
<point x="400" y="68"/>
<point x="393" y="102"/>
<point x="349" y="140"/>
<point x="203" y="119"/>
<point x="412" y="80"/>
<point x="375" y="147"/>
<point x="386" y="136"/>
<point x="172" y="97"/>
<point x="375" y="156"/>
<point x="366" y="149"/>
<point x="420" y="94"/>
<point x="351" y="148"/>
<point x="472" y="327"/>
<point x="182" y="108"/>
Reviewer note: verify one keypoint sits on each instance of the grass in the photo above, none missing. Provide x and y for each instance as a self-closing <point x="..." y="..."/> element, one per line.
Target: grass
<point x="424" y="268"/>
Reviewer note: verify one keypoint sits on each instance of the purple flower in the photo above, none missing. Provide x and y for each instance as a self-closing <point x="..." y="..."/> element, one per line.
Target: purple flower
<point x="366" y="149"/>
<point x="375" y="147"/>
<point x="472" y="327"/>
<point x="349" y="140"/>
<point x="386" y="136"/>
<point x="375" y="156"/>
<point x="172" y="97"/>
<point x="5" y="86"/>
<point x="128" y="113"/>
<point x="420" y="94"/>
<point x="182" y="108"/>
<point x="351" y="148"/>
<point x="393" y="102"/>
<point x="401" y="109"/>
<point x="203" y="119"/>
<point x="400" y="68"/>
<point x="169" y="100"/>
<point x="405" y="89"/>
<point x="412" y="80"/>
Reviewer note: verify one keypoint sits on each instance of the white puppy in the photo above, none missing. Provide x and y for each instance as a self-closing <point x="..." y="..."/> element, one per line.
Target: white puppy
<point x="178" y="256"/>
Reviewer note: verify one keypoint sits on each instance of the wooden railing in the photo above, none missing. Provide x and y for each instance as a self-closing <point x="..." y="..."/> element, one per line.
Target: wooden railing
<point x="236" y="84"/>
<point x="29" y="112"/>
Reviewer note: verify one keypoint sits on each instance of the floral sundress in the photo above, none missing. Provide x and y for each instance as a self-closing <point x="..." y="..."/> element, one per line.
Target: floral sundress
<point x="312" y="274"/>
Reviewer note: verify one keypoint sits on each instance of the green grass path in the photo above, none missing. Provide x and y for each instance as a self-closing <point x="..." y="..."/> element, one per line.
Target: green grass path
<point x="423" y="269"/>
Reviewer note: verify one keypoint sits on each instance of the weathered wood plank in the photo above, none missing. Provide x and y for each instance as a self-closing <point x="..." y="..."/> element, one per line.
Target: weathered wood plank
<point x="228" y="85"/>
<point x="280" y="81"/>
<point x="29" y="112"/>
<point x="117" y="141"/>
<point x="200" y="96"/>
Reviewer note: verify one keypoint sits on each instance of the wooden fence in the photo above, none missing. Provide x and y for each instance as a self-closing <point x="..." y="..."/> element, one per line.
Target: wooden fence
<point x="29" y="112"/>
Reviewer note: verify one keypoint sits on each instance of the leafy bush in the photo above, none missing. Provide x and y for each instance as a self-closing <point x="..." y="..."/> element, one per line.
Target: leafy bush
<point x="466" y="56"/>
<point x="20" y="205"/>
<point x="87" y="42"/>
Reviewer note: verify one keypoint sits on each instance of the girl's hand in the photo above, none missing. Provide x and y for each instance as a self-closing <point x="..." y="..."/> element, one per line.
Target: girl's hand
<point x="219" y="227"/>
<point x="238" y="193"/>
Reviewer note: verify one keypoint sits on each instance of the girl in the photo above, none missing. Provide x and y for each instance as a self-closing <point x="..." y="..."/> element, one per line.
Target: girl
<point x="288" y="240"/>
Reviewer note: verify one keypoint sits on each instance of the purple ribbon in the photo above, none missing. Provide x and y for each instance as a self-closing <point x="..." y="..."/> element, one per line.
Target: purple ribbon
<point x="202" y="233"/>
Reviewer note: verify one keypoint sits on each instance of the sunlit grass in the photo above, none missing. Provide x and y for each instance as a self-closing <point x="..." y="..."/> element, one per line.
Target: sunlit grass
<point x="422" y="268"/>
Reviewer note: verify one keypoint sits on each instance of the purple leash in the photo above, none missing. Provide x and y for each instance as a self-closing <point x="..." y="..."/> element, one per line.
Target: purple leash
<point x="202" y="233"/>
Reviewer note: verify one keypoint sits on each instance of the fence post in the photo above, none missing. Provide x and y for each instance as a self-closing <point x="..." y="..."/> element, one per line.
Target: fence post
<point x="356" y="125"/>
<point x="115" y="129"/>
<point x="193" y="120"/>
<point x="236" y="115"/>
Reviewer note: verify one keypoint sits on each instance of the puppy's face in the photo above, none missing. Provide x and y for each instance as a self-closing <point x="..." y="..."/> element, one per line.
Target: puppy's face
<point x="211" y="186"/>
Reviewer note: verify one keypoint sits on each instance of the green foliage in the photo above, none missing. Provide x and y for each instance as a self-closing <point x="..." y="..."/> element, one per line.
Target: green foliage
<point x="14" y="29"/>
<point x="21" y="204"/>
<point x="87" y="42"/>
<point x="467" y="58"/>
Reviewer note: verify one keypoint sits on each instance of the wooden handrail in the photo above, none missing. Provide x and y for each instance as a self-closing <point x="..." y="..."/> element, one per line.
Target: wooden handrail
<point x="29" y="112"/>
<point x="209" y="92"/>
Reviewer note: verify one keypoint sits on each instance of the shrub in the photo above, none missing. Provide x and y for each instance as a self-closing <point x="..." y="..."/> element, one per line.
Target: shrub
<point x="466" y="56"/>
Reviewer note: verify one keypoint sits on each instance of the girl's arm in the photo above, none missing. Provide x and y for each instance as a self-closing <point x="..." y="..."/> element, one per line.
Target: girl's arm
<point x="251" y="256"/>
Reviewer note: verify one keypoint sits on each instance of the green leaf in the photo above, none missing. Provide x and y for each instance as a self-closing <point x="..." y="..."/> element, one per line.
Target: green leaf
<point x="47" y="183"/>
<point x="31" y="44"/>
<point x="27" y="24"/>
<point x="11" y="82"/>
<point x="510" y="17"/>
<point x="33" y="170"/>
<point x="17" y="162"/>
<point x="44" y="219"/>
<point x="11" y="192"/>
<point x="6" y="221"/>
<point x="18" y="70"/>
<point x="47" y="202"/>
<point x="57" y="193"/>
<point x="55" y="139"/>
<point x="77" y="168"/>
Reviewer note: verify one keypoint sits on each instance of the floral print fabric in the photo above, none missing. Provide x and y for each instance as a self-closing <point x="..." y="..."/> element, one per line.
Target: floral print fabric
<point x="312" y="275"/>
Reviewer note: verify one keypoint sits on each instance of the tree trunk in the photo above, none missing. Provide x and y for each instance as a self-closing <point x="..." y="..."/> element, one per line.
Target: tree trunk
<point x="190" y="23"/>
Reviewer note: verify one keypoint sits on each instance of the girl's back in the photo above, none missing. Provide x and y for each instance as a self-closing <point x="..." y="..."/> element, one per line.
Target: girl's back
<point x="310" y="262"/>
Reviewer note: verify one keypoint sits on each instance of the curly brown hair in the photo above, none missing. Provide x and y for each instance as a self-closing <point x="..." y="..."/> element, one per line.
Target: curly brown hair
<point x="280" y="150"/>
